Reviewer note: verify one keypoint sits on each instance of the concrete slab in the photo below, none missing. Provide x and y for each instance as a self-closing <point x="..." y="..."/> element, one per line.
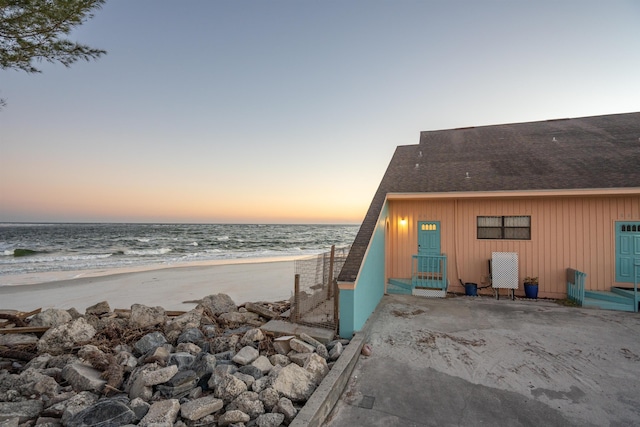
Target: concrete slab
<point x="478" y="361"/>
<point x="280" y="328"/>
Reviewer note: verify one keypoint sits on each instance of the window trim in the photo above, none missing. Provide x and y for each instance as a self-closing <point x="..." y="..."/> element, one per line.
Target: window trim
<point x="503" y="227"/>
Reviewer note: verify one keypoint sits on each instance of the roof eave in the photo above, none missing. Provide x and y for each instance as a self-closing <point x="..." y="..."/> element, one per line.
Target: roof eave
<point x="627" y="191"/>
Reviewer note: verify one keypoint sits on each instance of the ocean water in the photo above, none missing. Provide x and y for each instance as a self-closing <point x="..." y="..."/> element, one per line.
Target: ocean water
<point x="38" y="248"/>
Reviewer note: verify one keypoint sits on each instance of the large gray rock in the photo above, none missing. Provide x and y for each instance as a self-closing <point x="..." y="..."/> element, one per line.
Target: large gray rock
<point x="233" y="417"/>
<point x="13" y="422"/>
<point x="182" y="360"/>
<point x="158" y="376"/>
<point x="310" y="340"/>
<point x="205" y="364"/>
<point x="159" y="355"/>
<point x="50" y="317"/>
<point x="32" y="381"/>
<point x="104" y="413"/>
<point x="196" y="409"/>
<point x="149" y="342"/>
<point x="279" y="359"/>
<point x="190" y="319"/>
<point x="143" y="316"/>
<point x="282" y="344"/>
<point x="299" y="359"/>
<point x="262" y="311"/>
<point x="252" y="336"/>
<point x="24" y="411"/>
<point x="270" y="420"/>
<point x="248" y="402"/>
<point x="269" y="397"/>
<point x="318" y="367"/>
<point x="262" y="363"/>
<point x="254" y="371"/>
<point x="301" y="346"/>
<point x="233" y="318"/>
<point x="11" y="340"/>
<point x="336" y="351"/>
<point x="226" y="386"/>
<point x="180" y="385"/>
<point x="285" y="407"/>
<point x="193" y="335"/>
<point x="98" y="309"/>
<point x="63" y="338"/>
<point x="139" y="407"/>
<point x="82" y="377"/>
<point x="294" y="383"/>
<point x="218" y="304"/>
<point x="68" y="408"/>
<point x="162" y="413"/>
<point x="135" y="384"/>
<point x="246" y="355"/>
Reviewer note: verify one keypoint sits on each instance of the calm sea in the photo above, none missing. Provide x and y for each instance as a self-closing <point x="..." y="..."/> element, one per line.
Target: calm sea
<point x="37" y="248"/>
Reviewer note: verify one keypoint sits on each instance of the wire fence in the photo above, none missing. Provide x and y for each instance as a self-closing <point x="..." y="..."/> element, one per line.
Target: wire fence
<point x="315" y="299"/>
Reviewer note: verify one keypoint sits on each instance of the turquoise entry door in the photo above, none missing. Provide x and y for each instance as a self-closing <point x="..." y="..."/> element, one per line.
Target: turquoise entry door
<point x="627" y="249"/>
<point x="428" y="246"/>
<point x="429" y="238"/>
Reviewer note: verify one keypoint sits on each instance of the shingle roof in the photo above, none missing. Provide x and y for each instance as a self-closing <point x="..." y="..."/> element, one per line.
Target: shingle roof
<point x="584" y="153"/>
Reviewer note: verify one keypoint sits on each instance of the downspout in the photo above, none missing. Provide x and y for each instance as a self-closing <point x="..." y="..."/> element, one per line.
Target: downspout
<point x="455" y="237"/>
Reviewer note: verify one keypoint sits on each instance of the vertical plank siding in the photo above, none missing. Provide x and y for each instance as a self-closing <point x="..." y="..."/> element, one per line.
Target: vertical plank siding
<point x="575" y="232"/>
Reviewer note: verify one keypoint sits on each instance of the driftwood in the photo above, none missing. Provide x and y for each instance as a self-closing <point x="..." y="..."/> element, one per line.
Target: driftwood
<point x="16" y="317"/>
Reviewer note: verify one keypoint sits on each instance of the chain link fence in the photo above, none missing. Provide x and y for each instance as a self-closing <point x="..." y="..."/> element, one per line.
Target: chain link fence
<point x="315" y="298"/>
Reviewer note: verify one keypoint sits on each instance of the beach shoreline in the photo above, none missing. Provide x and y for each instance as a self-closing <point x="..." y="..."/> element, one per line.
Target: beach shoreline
<point x="171" y="286"/>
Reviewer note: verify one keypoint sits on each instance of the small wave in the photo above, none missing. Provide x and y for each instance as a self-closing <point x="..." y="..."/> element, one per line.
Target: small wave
<point x="194" y="244"/>
<point x="143" y="239"/>
<point x="24" y="252"/>
<point x="145" y="252"/>
<point x="222" y="238"/>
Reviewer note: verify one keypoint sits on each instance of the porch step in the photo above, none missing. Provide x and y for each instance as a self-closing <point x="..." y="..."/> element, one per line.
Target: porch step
<point x="607" y="305"/>
<point x="608" y="300"/>
<point x="399" y="286"/>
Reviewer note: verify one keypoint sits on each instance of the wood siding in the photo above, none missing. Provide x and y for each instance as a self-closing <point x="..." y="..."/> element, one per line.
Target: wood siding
<point x="577" y="232"/>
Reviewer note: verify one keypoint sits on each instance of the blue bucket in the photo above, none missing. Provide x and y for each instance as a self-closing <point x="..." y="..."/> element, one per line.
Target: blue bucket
<point x="471" y="289"/>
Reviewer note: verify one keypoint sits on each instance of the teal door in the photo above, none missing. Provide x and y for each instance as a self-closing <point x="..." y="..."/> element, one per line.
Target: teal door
<point x="627" y="249"/>
<point x="429" y="238"/>
<point x="429" y="244"/>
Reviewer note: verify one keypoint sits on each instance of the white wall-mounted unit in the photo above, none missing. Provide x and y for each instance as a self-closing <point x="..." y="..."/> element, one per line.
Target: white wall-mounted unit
<point x="504" y="270"/>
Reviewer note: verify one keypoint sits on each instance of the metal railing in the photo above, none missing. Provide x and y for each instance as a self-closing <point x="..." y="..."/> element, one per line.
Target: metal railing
<point x="636" y="297"/>
<point x="575" y="285"/>
<point x="429" y="271"/>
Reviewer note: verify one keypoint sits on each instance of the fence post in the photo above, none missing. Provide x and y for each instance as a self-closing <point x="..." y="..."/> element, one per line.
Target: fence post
<point x="296" y="299"/>
<point x="330" y="281"/>
<point x="336" y="304"/>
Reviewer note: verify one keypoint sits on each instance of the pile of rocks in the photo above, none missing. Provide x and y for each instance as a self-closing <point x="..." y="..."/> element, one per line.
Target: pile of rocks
<point x="213" y="365"/>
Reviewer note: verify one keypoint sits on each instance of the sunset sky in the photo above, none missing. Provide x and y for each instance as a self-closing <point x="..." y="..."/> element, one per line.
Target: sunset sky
<point x="289" y="111"/>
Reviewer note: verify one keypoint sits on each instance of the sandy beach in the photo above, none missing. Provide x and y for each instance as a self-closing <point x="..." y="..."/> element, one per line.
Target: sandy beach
<point x="174" y="287"/>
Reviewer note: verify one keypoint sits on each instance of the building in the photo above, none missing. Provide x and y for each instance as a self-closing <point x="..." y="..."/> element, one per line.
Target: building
<point x="559" y="193"/>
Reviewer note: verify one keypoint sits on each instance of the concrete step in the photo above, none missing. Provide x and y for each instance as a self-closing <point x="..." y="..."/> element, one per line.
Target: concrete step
<point x="608" y="305"/>
<point x="607" y="296"/>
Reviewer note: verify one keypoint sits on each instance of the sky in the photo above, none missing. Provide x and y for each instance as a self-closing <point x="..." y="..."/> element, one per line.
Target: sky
<point x="289" y="111"/>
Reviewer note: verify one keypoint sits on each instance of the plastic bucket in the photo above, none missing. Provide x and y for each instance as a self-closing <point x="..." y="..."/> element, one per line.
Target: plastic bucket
<point x="471" y="289"/>
<point x="531" y="291"/>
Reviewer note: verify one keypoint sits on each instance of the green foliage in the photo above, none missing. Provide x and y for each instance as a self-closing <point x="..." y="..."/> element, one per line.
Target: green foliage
<point x="34" y="30"/>
<point x="530" y="280"/>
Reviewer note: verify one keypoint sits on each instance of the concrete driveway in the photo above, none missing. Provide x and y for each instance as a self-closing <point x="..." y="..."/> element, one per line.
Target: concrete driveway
<point x="467" y="361"/>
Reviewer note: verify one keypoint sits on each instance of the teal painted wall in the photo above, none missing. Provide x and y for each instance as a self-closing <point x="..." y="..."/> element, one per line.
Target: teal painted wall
<point x="357" y="305"/>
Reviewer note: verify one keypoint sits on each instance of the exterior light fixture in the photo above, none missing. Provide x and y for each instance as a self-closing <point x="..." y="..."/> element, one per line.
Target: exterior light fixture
<point x="403" y="222"/>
